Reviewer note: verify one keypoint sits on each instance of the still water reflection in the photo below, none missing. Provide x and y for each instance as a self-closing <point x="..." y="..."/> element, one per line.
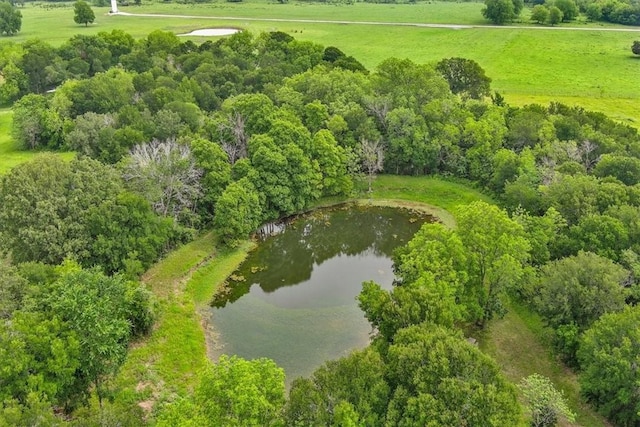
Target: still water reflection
<point x="294" y="299"/>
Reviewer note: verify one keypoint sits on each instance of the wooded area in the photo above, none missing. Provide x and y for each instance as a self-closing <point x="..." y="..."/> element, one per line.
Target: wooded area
<point x="174" y="138"/>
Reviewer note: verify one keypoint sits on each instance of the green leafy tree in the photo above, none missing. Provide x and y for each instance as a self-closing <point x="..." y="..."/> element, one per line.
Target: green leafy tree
<point x="546" y="404"/>
<point x="38" y="55"/>
<point x="352" y="387"/>
<point x="555" y="15"/>
<point x="35" y="124"/>
<point x="499" y="11"/>
<point x="624" y="168"/>
<point x="497" y="252"/>
<point x="216" y="168"/>
<point x="126" y="235"/>
<point x="36" y="411"/>
<point x="10" y="19"/>
<point x="286" y="176"/>
<point x="540" y="13"/>
<point x="440" y="379"/>
<point x="96" y="309"/>
<point x="334" y="164"/>
<point x="41" y="356"/>
<point x="600" y="234"/>
<point x="431" y="284"/>
<point x="465" y="76"/>
<point x="57" y="195"/>
<point x="568" y="8"/>
<point x="232" y="392"/>
<point x="104" y="93"/>
<point x="609" y="357"/>
<point x="574" y="292"/>
<point x="82" y="13"/>
<point x="13" y="288"/>
<point x="572" y="196"/>
<point x="238" y="211"/>
<point x="541" y="232"/>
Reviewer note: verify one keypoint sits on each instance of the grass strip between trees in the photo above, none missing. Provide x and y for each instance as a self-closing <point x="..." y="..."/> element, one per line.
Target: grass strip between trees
<point x="10" y="156"/>
<point x="166" y="364"/>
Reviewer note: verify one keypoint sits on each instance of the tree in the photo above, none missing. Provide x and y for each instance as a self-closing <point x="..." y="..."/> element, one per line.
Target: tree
<point x="635" y="47"/>
<point x="98" y="309"/>
<point x="430" y="285"/>
<point x="233" y="392"/>
<point x="539" y="13"/>
<point x="372" y="158"/>
<point x="238" y="211"/>
<point x="555" y="15"/>
<point x="41" y="356"/>
<point x="439" y="379"/>
<point x="497" y="252"/>
<point x="609" y="357"/>
<point x="499" y="11"/>
<point x="83" y="14"/>
<point x="624" y="168"/>
<point x="465" y="76"/>
<point x="333" y="161"/>
<point x="57" y="195"/>
<point x="354" y="384"/>
<point x="545" y="403"/>
<point x="10" y="19"/>
<point x="126" y="235"/>
<point x="569" y="9"/>
<point x="13" y="288"/>
<point x="35" y="125"/>
<point x="166" y="174"/>
<point x="574" y="292"/>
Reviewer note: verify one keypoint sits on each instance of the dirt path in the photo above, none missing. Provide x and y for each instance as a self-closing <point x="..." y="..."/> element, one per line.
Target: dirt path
<point x="390" y="24"/>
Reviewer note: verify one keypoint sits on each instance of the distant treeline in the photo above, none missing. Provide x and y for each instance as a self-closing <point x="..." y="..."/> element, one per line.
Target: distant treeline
<point x="625" y="12"/>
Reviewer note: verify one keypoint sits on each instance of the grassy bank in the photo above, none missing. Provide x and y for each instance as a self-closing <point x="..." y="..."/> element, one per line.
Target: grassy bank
<point x="593" y="69"/>
<point x="520" y="344"/>
<point x="166" y="364"/>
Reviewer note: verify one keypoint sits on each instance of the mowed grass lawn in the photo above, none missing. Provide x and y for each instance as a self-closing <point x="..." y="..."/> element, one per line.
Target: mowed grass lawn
<point x="593" y="69"/>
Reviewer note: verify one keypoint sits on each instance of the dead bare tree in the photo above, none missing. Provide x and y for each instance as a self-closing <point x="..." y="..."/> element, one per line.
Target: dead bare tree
<point x="236" y="145"/>
<point x="587" y="151"/>
<point x="380" y="107"/>
<point x="165" y="173"/>
<point x="372" y="157"/>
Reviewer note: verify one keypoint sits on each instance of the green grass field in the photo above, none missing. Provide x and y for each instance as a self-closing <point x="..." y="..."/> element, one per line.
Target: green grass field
<point x="10" y="156"/>
<point x="593" y="69"/>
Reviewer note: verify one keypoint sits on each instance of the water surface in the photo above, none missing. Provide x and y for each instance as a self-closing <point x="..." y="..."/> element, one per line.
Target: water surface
<point x="294" y="299"/>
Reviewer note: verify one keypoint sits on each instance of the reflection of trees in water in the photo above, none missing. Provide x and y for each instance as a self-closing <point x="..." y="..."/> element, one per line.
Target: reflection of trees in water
<point x="288" y="258"/>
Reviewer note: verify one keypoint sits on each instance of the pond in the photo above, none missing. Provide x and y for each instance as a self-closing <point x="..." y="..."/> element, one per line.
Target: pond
<point x="294" y="298"/>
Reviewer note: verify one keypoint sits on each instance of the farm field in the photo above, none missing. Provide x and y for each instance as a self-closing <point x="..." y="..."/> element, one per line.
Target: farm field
<point x="593" y="69"/>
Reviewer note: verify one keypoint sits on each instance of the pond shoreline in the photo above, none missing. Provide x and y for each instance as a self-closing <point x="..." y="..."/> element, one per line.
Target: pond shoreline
<point x="165" y="365"/>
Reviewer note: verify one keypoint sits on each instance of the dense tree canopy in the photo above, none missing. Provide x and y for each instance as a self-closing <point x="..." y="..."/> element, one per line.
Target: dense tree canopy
<point x="10" y="19"/>
<point x="233" y="392"/>
<point x="465" y="76"/>
<point x="500" y="11"/>
<point x="609" y="358"/>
